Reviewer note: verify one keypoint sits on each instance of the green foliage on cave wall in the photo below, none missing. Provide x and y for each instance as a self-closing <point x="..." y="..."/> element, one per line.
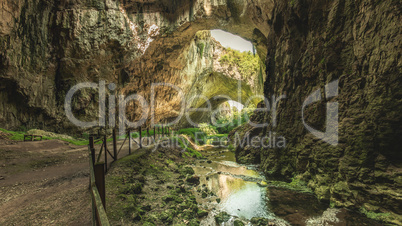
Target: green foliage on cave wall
<point x="246" y="62"/>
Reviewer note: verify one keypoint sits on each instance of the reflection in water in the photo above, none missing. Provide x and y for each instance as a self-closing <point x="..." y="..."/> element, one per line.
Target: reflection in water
<point x="247" y="202"/>
<point x="241" y="197"/>
<point x="238" y="197"/>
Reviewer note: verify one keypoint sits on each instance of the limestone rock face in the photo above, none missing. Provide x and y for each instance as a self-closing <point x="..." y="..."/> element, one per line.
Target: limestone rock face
<point x="358" y="43"/>
<point x="46" y="47"/>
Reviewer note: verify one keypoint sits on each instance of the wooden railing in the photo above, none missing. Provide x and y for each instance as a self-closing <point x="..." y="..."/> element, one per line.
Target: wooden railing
<point x="97" y="189"/>
<point x="98" y="169"/>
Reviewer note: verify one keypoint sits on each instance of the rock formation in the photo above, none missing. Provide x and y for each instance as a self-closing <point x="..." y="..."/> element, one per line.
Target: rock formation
<point x="358" y="44"/>
<point x="46" y="47"/>
<point x="49" y="46"/>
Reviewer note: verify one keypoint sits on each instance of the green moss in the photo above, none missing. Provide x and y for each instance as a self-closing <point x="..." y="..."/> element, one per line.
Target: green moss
<point x="173" y="198"/>
<point x="292" y="2"/>
<point x="221" y="218"/>
<point x="202" y="213"/>
<point x="259" y="221"/>
<point x="296" y="184"/>
<point x="187" y="171"/>
<point x="373" y="215"/>
<point x="188" y="151"/>
<point x="201" y="47"/>
<point x="238" y="223"/>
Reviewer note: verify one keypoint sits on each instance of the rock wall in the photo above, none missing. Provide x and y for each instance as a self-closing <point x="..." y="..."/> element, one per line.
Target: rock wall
<point x="46" y="47"/>
<point x="358" y="43"/>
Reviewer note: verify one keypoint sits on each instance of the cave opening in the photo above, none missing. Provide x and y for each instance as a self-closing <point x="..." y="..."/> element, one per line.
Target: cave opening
<point x="217" y="67"/>
<point x="327" y="74"/>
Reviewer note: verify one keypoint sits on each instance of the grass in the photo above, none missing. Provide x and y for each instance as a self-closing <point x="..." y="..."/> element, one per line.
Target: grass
<point x="19" y="136"/>
<point x="194" y="133"/>
<point x="189" y="152"/>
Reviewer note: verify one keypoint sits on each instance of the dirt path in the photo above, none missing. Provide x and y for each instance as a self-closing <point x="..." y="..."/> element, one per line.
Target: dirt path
<point x="44" y="182"/>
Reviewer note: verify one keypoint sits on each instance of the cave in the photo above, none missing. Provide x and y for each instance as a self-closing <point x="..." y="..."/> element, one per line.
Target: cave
<point x="315" y="134"/>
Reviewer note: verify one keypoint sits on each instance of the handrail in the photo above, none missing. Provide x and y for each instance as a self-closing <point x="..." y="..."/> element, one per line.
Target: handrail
<point x="100" y="214"/>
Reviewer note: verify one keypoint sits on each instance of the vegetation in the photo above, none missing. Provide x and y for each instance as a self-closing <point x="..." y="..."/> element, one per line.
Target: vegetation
<point x="19" y="136"/>
<point x="195" y="134"/>
<point x="247" y="64"/>
<point x="201" y="47"/>
<point x="208" y="129"/>
<point x="188" y="151"/>
<point x="206" y="134"/>
<point x="373" y="215"/>
<point x="152" y="189"/>
<point x="227" y="123"/>
<point x="296" y="184"/>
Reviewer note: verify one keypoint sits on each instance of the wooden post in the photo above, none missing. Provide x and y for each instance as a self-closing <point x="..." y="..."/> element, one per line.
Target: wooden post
<point x="129" y="142"/>
<point x="91" y="142"/>
<point x="154" y="135"/>
<point x="100" y="181"/>
<point x="163" y="132"/>
<point x="105" y="147"/>
<point x="92" y="148"/>
<point x="93" y="212"/>
<point x="114" y="145"/>
<point x="93" y="155"/>
<point x="140" y="138"/>
<point x="147" y="135"/>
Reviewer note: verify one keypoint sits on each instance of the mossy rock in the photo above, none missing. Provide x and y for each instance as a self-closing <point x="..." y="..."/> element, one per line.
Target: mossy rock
<point x="259" y="221"/>
<point x="137" y="188"/>
<point x="202" y="213"/>
<point x="238" y="223"/>
<point x="194" y="222"/>
<point x="170" y="198"/>
<point x="167" y="216"/>
<point x="194" y="180"/>
<point x="222" y="217"/>
<point x="187" y="171"/>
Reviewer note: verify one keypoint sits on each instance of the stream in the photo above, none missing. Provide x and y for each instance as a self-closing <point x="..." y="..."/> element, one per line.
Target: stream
<point x="238" y="194"/>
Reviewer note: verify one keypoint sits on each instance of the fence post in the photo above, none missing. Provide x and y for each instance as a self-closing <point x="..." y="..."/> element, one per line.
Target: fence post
<point x="147" y="135"/>
<point x="92" y="148"/>
<point x="114" y="145"/>
<point x="129" y="142"/>
<point x="100" y="181"/>
<point x="154" y="135"/>
<point x="140" y="138"/>
<point x="105" y="147"/>
<point x="94" y="223"/>
<point x="91" y="142"/>
<point x="163" y="132"/>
